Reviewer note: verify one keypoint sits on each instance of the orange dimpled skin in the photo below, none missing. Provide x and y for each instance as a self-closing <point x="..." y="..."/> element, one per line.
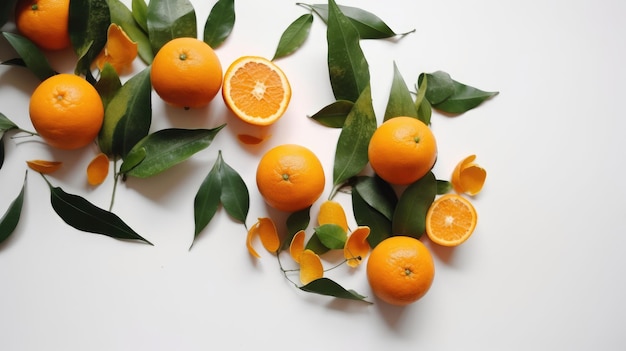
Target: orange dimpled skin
<point x="66" y="111"/>
<point x="402" y="150"/>
<point x="44" y="22"/>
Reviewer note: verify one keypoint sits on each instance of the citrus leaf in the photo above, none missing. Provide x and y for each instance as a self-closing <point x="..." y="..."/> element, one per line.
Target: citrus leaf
<point x="464" y="99"/>
<point x="132" y="160"/>
<point x="410" y="216"/>
<point x="220" y="23"/>
<point x="424" y="110"/>
<point x="88" y="24"/>
<point x="366" y="23"/>
<point x="294" y="36"/>
<point x="331" y="236"/>
<point x="128" y="116"/>
<point x="168" y="147"/>
<point x="400" y="101"/>
<point x="328" y="287"/>
<point x="6" y="124"/>
<point x="207" y="199"/>
<point x="235" y="196"/>
<point x="378" y="194"/>
<point x="443" y="187"/>
<point x="170" y="19"/>
<point x="33" y="58"/>
<point x="366" y="215"/>
<point x="81" y="214"/>
<point x="296" y="221"/>
<point x="347" y="66"/>
<point x="334" y="115"/>
<point x="440" y="86"/>
<point x="108" y="85"/>
<point x="122" y="16"/>
<point x="139" y="9"/>
<point x="351" y="152"/>
<point x="11" y="217"/>
<point x="6" y="8"/>
<point x="315" y="244"/>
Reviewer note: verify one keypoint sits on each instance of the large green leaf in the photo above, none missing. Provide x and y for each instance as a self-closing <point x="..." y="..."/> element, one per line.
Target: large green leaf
<point x="235" y="196"/>
<point x="207" y="199"/>
<point x="166" y="148"/>
<point x="328" y="287"/>
<point x="33" y="58"/>
<point x="122" y="16"/>
<point x="88" y="24"/>
<point x="294" y="36"/>
<point x="347" y="66"/>
<point x="440" y="86"/>
<point x="410" y="216"/>
<point x="11" y="218"/>
<point x="334" y="115"/>
<point x="378" y="194"/>
<point x="108" y="84"/>
<point x="170" y="19"/>
<point x="220" y="23"/>
<point x="400" y="101"/>
<point x="424" y="110"/>
<point x="139" y="9"/>
<point x="448" y="95"/>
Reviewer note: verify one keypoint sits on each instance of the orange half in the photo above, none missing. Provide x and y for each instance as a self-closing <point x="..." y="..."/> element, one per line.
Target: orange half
<point x="450" y="220"/>
<point x="256" y="90"/>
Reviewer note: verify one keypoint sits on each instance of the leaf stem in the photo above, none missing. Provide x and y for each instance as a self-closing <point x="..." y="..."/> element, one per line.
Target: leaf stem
<point x="285" y="271"/>
<point x="116" y="175"/>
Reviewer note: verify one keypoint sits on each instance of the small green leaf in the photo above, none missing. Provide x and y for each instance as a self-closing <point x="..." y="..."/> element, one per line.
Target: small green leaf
<point x="295" y="222"/>
<point x="294" y="36"/>
<point x="335" y="114"/>
<point x="378" y="194"/>
<point x="139" y="10"/>
<point x="410" y="216"/>
<point x="351" y="152"/>
<point x="424" y="110"/>
<point x="366" y="215"/>
<point x="168" y="147"/>
<point x="367" y="24"/>
<point x="235" y="196"/>
<point x="6" y="124"/>
<point x="11" y="218"/>
<point x="328" y="287"/>
<point x="132" y="160"/>
<point x="464" y="99"/>
<point x="89" y="21"/>
<point x="33" y="58"/>
<point x="332" y="236"/>
<point x="400" y="101"/>
<point x="207" y="199"/>
<point x="440" y="86"/>
<point x="347" y="66"/>
<point x="170" y="19"/>
<point x="122" y="16"/>
<point x="315" y="244"/>
<point x="220" y="23"/>
<point x="128" y="116"/>
<point x="81" y="214"/>
<point x="108" y="84"/>
<point x="443" y="187"/>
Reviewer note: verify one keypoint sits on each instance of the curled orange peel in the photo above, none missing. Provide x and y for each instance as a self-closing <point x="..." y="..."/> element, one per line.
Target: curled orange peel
<point x="120" y="51"/>
<point x="266" y="230"/>
<point x="468" y="177"/>
<point x="297" y="245"/>
<point x="98" y="169"/>
<point x="252" y="233"/>
<point x="331" y="212"/>
<point x="43" y="166"/>
<point x="357" y="247"/>
<point x="311" y="267"/>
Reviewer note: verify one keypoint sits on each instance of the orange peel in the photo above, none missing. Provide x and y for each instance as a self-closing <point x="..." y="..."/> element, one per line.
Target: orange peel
<point x="266" y="230"/>
<point x="468" y="177"/>
<point x="98" y="169"/>
<point x="357" y="247"/>
<point x="43" y="166"/>
<point x="331" y="212"/>
<point x="252" y="233"/>
<point x="120" y="50"/>
<point x="297" y="245"/>
<point x="311" y="267"/>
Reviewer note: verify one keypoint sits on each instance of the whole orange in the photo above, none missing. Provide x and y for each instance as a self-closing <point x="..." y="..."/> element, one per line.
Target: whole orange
<point x="66" y="111"/>
<point x="400" y="270"/>
<point x="186" y="72"/>
<point x="402" y="150"/>
<point x="290" y="177"/>
<point x="44" y="22"/>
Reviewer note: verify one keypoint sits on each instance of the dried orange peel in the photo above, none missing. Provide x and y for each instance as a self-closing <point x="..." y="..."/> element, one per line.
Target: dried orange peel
<point x="468" y="177"/>
<point x="120" y="50"/>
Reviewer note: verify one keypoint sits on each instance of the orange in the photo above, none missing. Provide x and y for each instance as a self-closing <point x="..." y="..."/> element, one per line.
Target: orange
<point x="44" y="22"/>
<point x="66" y="111"/>
<point x="402" y="150"/>
<point x="290" y="177"/>
<point x="450" y="220"/>
<point x="186" y="72"/>
<point x="256" y="90"/>
<point x="400" y="270"/>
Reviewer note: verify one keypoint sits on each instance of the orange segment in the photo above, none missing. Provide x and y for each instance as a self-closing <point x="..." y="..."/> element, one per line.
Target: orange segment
<point x="331" y="212"/>
<point x="98" y="169"/>
<point x="256" y="90"/>
<point x="468" y="177"/>
<point x="310" y="267"/>
<point x="297" y="245"/>
<point x="119" y="51"/>
<point x="450" y="220"/>
<point x="357" y="247"/>
<point x="43" y="166"/>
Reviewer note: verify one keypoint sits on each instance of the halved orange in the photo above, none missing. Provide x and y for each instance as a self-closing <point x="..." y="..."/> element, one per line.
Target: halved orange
<point x="256" y="90"/>
<point x="450" y="220"/>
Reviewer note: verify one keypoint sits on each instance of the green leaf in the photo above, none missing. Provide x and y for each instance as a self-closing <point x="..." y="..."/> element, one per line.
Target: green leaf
<point x="81" y="214"/>
<point x="170" y="19"/>
<point x="6" y="8"/>
<point x="440" y="86"/>
<point x="400" y="101"/>
<point x="11" y="218"/>
<point x="410" y="216"/>
<point x="108" y="85"/>
<point x="295" y="222"/>
<point x="443" y="187"/>
<point x="207" y="199"/>
<point x="220" y="23"/>
<point x="139" y="9"/>
<point x="328" y="287"/>
<point x="315" y="244"/>
<point x="351" y="152"/>
<point x="464" y="99"/>
<point x="168" y="147"/>
<point x="367" y="24"/>
<point x="89" y="21"/>
<point x="122" y="16"/>
<point x="347" y="66"/>
<point x="335" y="114"/>
<point x="128" y="116"/>
<point x="332" y="236"/>
<point x="132" y="160"/>
<point x="424" y="110"/>
<point x="33" y="58"/>
<point x="366" y="215"/>
<point x="235" y="196"/>
<point x="294" y="36"/>
<point x="6" y="124"/>
<point x="378" y="194"/>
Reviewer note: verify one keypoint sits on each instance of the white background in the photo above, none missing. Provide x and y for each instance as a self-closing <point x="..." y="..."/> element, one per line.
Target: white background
<point x="544" y="269"/>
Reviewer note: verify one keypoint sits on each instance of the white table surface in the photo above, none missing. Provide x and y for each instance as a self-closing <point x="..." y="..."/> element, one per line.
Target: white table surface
<point x="544" y="269"/>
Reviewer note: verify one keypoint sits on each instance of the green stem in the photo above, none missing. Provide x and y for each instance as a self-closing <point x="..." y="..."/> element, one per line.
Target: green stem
<point x="115" y="178"/>
<point x="285" y="271"/>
